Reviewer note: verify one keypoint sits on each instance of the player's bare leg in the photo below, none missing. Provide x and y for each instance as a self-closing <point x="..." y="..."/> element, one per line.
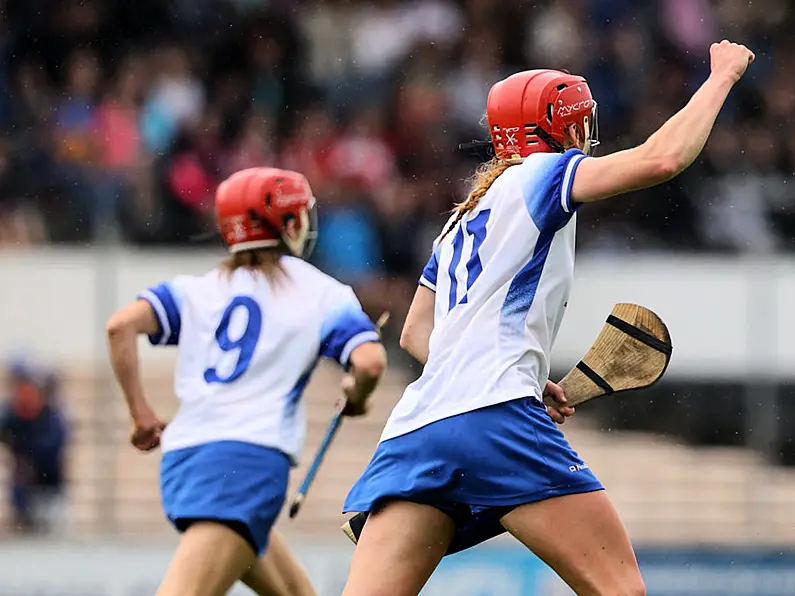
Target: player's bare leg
<point x="210" y="558"/>
<point x="398" y="550"/>
<point x="582" y="538"/>
<point x="278" y="572"/>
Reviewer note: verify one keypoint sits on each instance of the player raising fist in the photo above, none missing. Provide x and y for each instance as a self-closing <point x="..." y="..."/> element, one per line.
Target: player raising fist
<point x="469" y="451"/>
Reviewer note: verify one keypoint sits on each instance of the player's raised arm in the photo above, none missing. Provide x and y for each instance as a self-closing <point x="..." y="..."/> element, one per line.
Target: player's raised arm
<point x="123" y="329"/>
<point x="675" y="146"/>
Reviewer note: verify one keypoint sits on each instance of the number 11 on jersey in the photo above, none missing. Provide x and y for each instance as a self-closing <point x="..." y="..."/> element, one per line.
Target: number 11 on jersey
<point x="476" y="228"/>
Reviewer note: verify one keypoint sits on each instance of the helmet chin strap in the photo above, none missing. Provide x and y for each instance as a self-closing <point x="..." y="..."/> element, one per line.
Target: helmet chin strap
<point x="549" y="140"/>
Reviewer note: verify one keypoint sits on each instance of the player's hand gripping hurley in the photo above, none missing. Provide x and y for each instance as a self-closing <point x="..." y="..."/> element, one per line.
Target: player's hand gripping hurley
<point x="632" y="351"/>
<point x="334" y="426"/>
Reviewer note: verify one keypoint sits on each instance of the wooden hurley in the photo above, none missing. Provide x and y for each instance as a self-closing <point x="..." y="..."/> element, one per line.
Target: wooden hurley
<point x="631" y="352"/>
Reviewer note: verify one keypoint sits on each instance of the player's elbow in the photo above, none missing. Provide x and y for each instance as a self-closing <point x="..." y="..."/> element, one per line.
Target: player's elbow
<point x="657" y="164"/>
<point x="414" y="344"/>
<point x="662" y="163"/>
<point x="667" y="167"/>
<point x="406" y="339"/>
<point x="413" y="336"/>
<point x="117" y="325"/>
<point x="369" y="360"/>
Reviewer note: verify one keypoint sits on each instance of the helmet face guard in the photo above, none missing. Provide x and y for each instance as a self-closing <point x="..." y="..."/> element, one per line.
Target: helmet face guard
<point x="591" y="131"/>
<point x="311" y="233"/>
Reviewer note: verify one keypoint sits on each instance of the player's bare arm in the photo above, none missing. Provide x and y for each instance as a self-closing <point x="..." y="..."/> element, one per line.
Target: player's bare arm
<point x="367" y="366"/>
<point x="417" y="329"/>
<point x="123" y="329"/>
<point x="670" y="150"/>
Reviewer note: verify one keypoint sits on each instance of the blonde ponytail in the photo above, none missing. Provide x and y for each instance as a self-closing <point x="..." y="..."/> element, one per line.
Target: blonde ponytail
<point x="484" y="177"/>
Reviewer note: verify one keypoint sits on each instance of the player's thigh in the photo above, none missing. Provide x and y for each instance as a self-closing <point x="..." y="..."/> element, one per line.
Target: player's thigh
<point x="399" y="548"/>
<point x="210" y="558"/>
<point x="278" y="572"/>
<point x="582" y="538"/>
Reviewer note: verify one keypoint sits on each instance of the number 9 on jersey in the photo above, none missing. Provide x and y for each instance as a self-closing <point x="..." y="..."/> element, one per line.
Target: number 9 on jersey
<point x="243" y="345"/>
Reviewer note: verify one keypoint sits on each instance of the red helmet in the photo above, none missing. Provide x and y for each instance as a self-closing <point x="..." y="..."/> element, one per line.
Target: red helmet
<point x="530" y="111"/>
<point x="254" y="206"/>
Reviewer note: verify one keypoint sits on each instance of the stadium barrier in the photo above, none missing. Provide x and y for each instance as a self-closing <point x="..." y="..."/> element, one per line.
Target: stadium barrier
<point x="729" y="317"/>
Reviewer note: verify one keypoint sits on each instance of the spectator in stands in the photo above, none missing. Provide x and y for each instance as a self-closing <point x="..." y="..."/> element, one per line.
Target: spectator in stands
<point x="268" y="81"/>
<point x="190" y="176"/>
<point x="176" y="98"/>
<point x="254" y="146"/>
<point x="91" y="187"/>
<point x="118" y="135"/>
<point x="34" y="430"/>
<point x="309" y="145"/>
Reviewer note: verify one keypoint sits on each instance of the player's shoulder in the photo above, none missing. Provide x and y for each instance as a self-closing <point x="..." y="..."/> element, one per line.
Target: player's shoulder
<point x="301" y="271"/>
<point x="189" y="287"/>
<point x="542" y="174"/>
<point x="187" y="282"/>
<point x="534" y="170"/>
<point x="545" y="164"/>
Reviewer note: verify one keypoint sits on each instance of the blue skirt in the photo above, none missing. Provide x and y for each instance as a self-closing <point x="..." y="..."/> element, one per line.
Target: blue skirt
<point x="238" y="484"/>
<point x="476" y="467"/>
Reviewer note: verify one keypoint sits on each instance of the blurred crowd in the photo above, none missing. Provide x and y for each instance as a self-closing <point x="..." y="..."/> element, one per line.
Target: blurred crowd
<point x="120" y="118"/>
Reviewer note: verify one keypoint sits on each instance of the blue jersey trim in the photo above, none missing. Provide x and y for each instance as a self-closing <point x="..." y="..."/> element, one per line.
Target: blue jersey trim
<point x="341" y="329"/>
<point x="431" y="271"/>
<point x="356" y="341"/>
<point x="166" y="302"/>
<point x="426" y="284"/>
<point x="568" y="181"/>
<point x="547" y="195"/>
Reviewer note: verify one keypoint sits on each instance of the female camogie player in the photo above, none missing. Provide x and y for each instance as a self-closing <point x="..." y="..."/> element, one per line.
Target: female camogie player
<point x="249" y="334"/>
<point x="469" y="451"/>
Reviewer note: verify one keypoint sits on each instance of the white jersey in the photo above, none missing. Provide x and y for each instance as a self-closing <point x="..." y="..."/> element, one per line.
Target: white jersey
<point x="247" y="349"/>
<point x="502" y="278"/>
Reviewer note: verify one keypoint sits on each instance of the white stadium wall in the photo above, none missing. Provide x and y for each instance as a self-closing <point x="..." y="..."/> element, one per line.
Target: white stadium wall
<point x="729" y="317"/>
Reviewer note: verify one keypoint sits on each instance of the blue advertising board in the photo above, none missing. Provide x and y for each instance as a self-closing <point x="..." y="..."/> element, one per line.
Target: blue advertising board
<point x="510" y="570"/>
<point x="489" y="571"/>
<point x="503" y="568"/>
<point x="718" y="572"/>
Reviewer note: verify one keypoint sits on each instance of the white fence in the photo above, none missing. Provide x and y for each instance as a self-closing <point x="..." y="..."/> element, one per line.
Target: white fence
<point x="729" y="318"/>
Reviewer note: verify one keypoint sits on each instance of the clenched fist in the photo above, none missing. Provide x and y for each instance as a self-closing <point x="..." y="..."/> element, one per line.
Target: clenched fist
<point x="730" y="60"/>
